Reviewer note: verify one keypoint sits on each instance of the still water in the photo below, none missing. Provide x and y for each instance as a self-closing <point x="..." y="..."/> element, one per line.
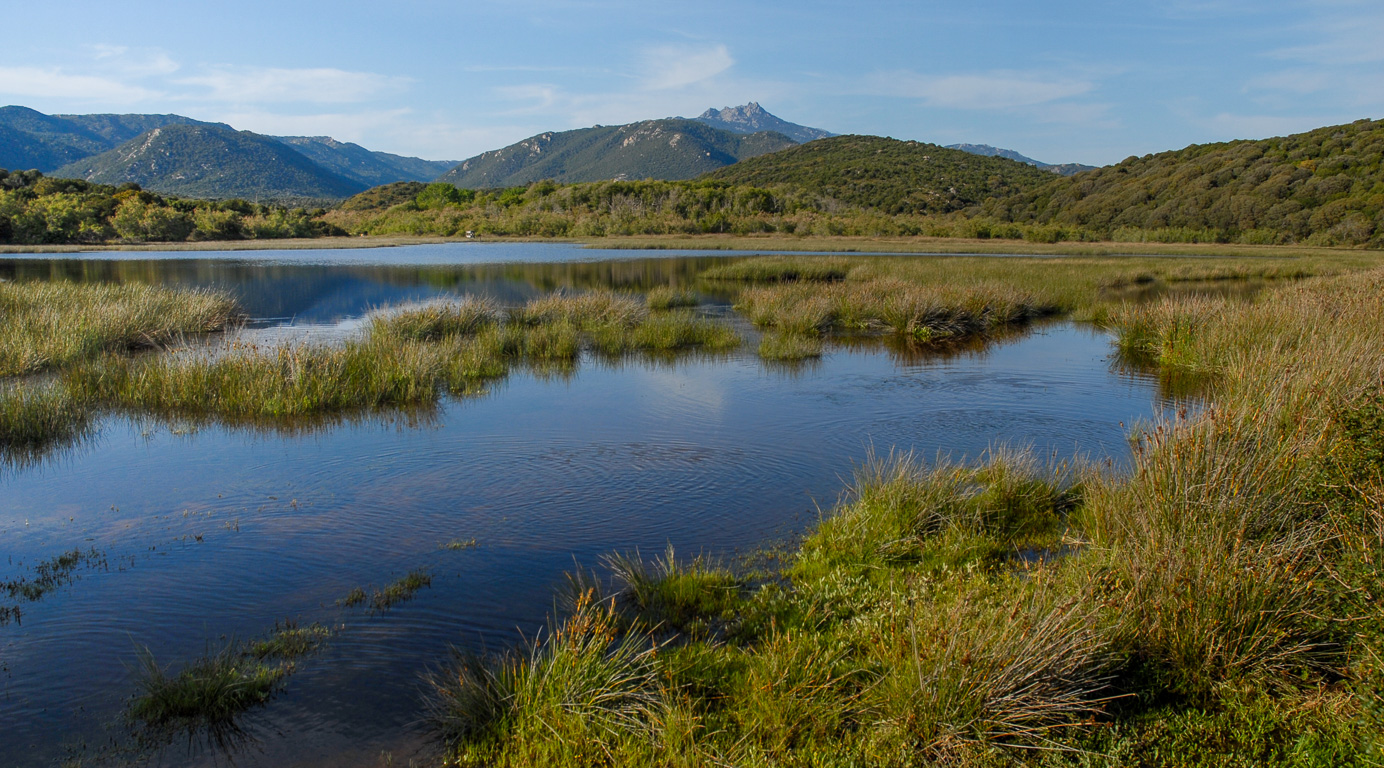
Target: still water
<point x="212" y="532"/>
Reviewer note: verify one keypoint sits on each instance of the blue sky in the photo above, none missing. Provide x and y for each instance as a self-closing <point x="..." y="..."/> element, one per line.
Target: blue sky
<point x="1089" y="81"/>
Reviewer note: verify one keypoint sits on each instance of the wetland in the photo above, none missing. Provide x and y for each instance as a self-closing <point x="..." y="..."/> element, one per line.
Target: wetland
<point x="394" y="464"/>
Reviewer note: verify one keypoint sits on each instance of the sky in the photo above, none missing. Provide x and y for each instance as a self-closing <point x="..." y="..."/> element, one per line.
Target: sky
<point x="1089" y="81"/>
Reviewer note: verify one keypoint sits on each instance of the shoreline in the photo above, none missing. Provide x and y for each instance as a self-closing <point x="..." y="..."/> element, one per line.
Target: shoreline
<point x="919" y="246"/>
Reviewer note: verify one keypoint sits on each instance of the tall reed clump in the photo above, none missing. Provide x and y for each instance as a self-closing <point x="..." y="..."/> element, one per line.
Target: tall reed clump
<point x="35" y="419"/>
<point x="921" y="313"/>
<point x="666" y="297"/>
<point x="578" y="696"/>
<point x="46" y="325"/>
<point x="1234" y="551"/>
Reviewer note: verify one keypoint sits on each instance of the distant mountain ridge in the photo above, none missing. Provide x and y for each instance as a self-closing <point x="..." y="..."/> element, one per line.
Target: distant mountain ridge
<point x="68" y="143"/>
<point x="209" y="161"/>
<point x="985" y="150"/>
<point x="669" y="149"/>
<point x="752" y="118"/>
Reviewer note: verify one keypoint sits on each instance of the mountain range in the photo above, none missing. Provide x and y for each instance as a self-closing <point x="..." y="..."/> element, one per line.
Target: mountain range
<point x="161" y="153"/>
<point x="751" y="118"/>
<point x="178" y="155"/>
<point x="670" y="149"/>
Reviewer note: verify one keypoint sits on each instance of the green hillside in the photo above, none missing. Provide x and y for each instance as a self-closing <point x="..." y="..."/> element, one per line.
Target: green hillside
<point x="360" y="164"/>
<point x="1324" y="187"/>
<point x="654" y="149"/>
<point x="887" y="175"/>
<point x="214" y="163"/>
<point x="31" y="139"/>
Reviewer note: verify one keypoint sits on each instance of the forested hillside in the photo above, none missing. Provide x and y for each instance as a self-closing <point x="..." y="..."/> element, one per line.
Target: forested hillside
<point x="1324" y="187"/>
<point x="213" y="162"/>
<point x="887" y="175"/>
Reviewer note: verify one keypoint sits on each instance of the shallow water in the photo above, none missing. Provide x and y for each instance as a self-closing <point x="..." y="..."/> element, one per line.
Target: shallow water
<point x="220" y="532"/>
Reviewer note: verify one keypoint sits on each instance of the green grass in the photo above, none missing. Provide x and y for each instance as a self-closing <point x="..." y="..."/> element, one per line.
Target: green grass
<point x="666" y="297"/>
<point x="782" y="269"/>
<point x="209" y="694"/>
<point x="36" y="419"/>
<point x="400" y="590"/>
<point x="1216" y="604"/>
<point x="46" y="325"/>
<point x="789" y="346"/>
<point x="43" y="578"/>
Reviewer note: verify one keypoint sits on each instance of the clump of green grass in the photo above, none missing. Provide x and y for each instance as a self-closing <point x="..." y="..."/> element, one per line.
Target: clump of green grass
<point x="787" y="346"/>
<point x="665" y="332"/>
<point x="355" y="597"/>
<point x="210" y="693"/>
<point x="582" y="310"/>
<point x="435" y="320"/>
<point x="401" y="590"/>
<point x="693" y="597"/>
<point x="563" y="700"/>
<point x="666" y="297"/>
<point x="922" y="313"/>
<point x="36" y="419"/>
<point x="47" y="325"/>
<point x="278" y="383"/>
<point x="782" y="269"/>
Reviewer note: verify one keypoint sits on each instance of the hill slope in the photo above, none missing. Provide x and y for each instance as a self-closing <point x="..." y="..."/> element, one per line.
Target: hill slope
<point x="366" y="166"/>
<point x="212" y="162"/>
<point x="1323" y="187"/>
<point x="31" y="139"/>
<point x="660" y="149"/>
<point x="752" y="118"/>
<point x="888" y="175"/>
<point x="1061" y="169"/>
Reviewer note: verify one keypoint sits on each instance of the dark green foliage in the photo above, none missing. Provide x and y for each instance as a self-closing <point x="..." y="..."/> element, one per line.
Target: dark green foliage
<point x="385" y="196"/>
<point x="42" y="210"/>
<point x="214" y="162"/>
<point x="441" y="194"/>
<point x="653" y="149"/>
<point x="886" y="175"/>
<point x="1324" y="187"/>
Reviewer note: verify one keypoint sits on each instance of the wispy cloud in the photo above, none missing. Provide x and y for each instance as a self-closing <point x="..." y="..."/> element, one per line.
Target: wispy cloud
<point x="57" y="83"/>
<point x="670" y="67"/>
<point x="991" y="90"/>
<point x="133" y="62"/>
<point x="269" y="85"/>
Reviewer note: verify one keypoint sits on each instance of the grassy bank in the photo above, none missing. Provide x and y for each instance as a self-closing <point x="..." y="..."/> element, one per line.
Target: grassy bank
<point x="1217" y="604"/>
<point x="48" y="325"/>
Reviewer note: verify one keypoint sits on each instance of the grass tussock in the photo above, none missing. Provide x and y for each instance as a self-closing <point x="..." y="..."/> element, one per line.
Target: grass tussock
<point x="47" y="325"/>
<point x="782" y="269"/>
<point x="436" y="320"/>
<point x="1216" y="604"/>
<point x="36" y="419"/>
<point x="920" y="313"/>
<point x="667" y="297"/>
<point x="400" y="590"/>
<point x="789" y="346"/>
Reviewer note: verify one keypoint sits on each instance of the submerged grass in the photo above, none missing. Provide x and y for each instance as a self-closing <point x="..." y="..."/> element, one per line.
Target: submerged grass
<point x="43" y="578"/>
<point x="209" y="694"/>
<point x="46" y="325"/>
<point x="1216" y="604"/>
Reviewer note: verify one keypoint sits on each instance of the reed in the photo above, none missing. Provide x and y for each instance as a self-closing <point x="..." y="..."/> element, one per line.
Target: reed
<point x="47" y="325"/>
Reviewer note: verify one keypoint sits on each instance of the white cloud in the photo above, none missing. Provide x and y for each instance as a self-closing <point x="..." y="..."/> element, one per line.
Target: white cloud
<point x="670" y="67"/>
<point x="268" y="85"/>
<point x="994" y="90"/>
<point x="55" y="83"/>
<point x="134" y="63"/>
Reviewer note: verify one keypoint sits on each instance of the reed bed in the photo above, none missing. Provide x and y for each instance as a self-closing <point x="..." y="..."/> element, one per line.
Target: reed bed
<point x="46" y="325"/>
<point x="1218" y="603"/>
<point x="39" y="418"/>
<point x="666" y="297"/>
<point x="782" y="269"/>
